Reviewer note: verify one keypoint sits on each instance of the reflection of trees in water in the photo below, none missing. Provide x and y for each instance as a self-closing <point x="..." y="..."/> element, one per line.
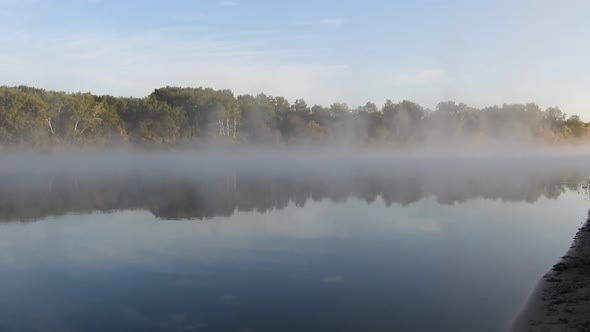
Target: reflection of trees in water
<point x="204" y="197"/>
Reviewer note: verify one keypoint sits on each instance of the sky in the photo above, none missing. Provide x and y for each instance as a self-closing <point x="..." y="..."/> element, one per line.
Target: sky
<point x="478" y="52"/>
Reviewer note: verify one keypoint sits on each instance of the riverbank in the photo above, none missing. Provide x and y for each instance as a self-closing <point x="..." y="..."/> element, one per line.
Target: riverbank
<point x="561" y="301"/>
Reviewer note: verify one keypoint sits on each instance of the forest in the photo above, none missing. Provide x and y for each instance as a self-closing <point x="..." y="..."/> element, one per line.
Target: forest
<point x="175" y="116"/>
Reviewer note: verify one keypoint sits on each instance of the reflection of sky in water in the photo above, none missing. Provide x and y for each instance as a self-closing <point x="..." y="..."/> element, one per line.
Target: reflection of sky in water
<point x="327" y="267"/>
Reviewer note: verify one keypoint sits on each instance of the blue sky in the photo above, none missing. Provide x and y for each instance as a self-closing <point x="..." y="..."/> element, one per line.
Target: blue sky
<point x="478" y="52"/>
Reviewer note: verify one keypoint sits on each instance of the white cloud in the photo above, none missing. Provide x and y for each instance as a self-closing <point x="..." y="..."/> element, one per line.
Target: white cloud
<point x="421" y="77"/>
<point x="260" y="32"/>
<point x="190" y="18"/>
<point x="332" y="21"/>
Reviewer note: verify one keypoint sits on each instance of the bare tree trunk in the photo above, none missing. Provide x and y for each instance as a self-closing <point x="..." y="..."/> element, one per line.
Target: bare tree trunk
<point x="222" y="130"/>
<point x="50" y="125"/>
<point x="76" y="127"/>
<point x="235" y="126"/>
<point x="227" y="126"/>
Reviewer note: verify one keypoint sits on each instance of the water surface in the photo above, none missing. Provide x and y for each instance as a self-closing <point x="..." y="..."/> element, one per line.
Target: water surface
<point x="323" y="249"/>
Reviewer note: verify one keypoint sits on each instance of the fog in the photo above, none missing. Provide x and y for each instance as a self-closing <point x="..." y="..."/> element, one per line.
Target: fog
<point x="202" y="185"/>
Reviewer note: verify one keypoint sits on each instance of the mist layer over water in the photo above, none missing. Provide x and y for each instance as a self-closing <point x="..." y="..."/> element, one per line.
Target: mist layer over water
<point x="283" y="241"/>
<point x="189" y="186"/>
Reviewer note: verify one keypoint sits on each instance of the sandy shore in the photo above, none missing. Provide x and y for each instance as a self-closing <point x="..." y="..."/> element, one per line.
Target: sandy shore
<point x="561" y="301"/>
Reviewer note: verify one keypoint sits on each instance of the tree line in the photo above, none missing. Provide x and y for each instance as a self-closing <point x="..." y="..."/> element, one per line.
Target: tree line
<point x="173" y="116"/>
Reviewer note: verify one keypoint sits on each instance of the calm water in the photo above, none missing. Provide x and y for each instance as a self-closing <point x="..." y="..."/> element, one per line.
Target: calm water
<point x="381" y="249"/>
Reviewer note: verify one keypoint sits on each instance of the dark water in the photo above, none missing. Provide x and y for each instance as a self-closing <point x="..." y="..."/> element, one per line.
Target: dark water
<point x="388" y="248"/>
